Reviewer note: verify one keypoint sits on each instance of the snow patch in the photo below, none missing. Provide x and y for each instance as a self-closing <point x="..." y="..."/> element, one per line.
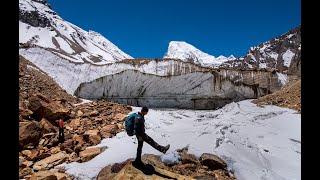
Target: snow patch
<point x="287" y="57"/>
<point x="282" y="78"/>
<point x="256" y="142"/>
<point x="274" y="55"/>
<point x="263" y="65"/>
<point x="170" y="158"/>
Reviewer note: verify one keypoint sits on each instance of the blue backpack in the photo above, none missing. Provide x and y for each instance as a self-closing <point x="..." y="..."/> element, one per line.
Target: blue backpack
<point x="129" y="123"/>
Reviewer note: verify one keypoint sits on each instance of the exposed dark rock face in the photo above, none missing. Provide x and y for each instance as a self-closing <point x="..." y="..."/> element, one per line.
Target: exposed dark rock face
<point x="282" y="53"/>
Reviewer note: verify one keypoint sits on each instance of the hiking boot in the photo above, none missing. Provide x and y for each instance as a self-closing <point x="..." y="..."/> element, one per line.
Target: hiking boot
<point x="138" y="164"/>
<point x="165" y="148"/>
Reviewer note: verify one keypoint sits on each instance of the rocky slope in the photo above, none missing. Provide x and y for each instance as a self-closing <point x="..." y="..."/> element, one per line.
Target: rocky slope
<point x="289" y="96"/>
<point x="187" y="52"/>
<point x="188" y="166"/>
<point x="282" y="53"/>
<point x="41" y="103"/>
<point x="40" y="26"/>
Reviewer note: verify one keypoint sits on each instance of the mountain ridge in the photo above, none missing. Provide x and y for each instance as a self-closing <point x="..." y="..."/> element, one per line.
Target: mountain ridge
<point x="40" y="26"/>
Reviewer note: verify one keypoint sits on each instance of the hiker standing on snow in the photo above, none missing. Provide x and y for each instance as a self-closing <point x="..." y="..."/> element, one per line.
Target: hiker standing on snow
<point x="135" y="126"/>
<point x="61" y="130"/>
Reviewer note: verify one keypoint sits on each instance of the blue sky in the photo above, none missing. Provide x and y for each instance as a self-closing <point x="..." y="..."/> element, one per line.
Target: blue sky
<point x="144" y="28"/>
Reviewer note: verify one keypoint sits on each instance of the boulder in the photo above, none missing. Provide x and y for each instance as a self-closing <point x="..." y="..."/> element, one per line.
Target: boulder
<point x="153" y="160"/>
<point x="75" y="123"/>
<point x="43" y="108"/>
<point x="47" y="127"/>
<point x="120" y="126"/>
<point x="73" y="157"/>
<point x="222" y="174"/>
<point x="25" y="113"/>
<point x="94" y="113"/>
<point x="67" y="145"/>
<point x="92" y="136"/>
<point x="50" y="161"/>
<point x="27" y="163"/>
<point x="79" y="113"/>
<point x="108" y="129"/>
<point x="119" y="117"/>
<point x="212" y="161"/>
<point x="29" y="133"/>
<point x="185" y="169"/>
<point x="21" y="159"/>
<point x="24" y="172"/>
<point x="106" y="173"/>
<point x="78" y="139"/>
<point x="30" y="154"/>
<point x="43" y="175"/>
<point x="93" y="132"/>
<point x="188" y="158"/>
<point x="89" y="153"/>
<point x="61" y="176"/>
<point x="130" y="172"/>
<point x="55" y="150"/>
<point x="116" y="167"/>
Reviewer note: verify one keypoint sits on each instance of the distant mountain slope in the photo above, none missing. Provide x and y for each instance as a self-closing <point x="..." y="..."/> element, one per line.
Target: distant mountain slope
<point x="40" y="26"/>
<point x="282" y="53"/>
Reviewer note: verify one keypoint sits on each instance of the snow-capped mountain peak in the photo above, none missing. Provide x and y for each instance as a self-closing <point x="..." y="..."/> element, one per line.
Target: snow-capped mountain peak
<point x="40" y="26"/>
<point x="187" y="52"/>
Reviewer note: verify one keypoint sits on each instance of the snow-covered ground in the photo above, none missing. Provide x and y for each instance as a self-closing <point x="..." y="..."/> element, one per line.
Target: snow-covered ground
<point x="256" y="142"/>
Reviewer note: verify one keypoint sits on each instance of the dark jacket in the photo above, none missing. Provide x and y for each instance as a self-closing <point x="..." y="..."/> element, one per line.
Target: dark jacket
<point x="139" y="125"/>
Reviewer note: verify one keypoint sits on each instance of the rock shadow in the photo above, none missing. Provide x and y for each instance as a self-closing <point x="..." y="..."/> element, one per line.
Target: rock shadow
<point x="149" y="170"/>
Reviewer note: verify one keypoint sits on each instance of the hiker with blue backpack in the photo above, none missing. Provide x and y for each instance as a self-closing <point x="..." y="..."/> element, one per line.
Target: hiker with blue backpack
<point x="134" y="125"/>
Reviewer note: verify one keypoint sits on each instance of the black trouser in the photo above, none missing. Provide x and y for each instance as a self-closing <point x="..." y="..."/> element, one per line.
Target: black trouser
<point x="61" y="135"/>
<point x="150" y="141"/>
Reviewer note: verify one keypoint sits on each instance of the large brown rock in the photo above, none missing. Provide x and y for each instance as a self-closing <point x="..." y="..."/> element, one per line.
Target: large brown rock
<point x="108" y="130"/>
<point x="153" y="160"/>
<point x="106" y="173"/>
<point x="130" y="172"/>
<point x="47" y="126"/>
<point x="43" y="175"/>
<point x="79" y="113"/>
<point x="212" y="161"/>
<point x="75" y="123"/>
<point x="188" y="158"/>
<point x="29" y="133"/>
<point x="61" y="176"/>
<point x="92" y="136"/>
<point x="94" y="113"/>
<point x="89" y="153"/>
<point x="44" y="108"/>
<point x="78" y="139"/>
<point x="24" y="172"/>
<point x="158" y="170"/>
<point x="67" y="145"/>
<point x="185" y="169"/>
<point x="50" y="161"/>
<point x="30" y="155"/>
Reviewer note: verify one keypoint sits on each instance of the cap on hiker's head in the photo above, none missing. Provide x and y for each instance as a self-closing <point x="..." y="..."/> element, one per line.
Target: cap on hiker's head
<point x="144" y="109"/>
